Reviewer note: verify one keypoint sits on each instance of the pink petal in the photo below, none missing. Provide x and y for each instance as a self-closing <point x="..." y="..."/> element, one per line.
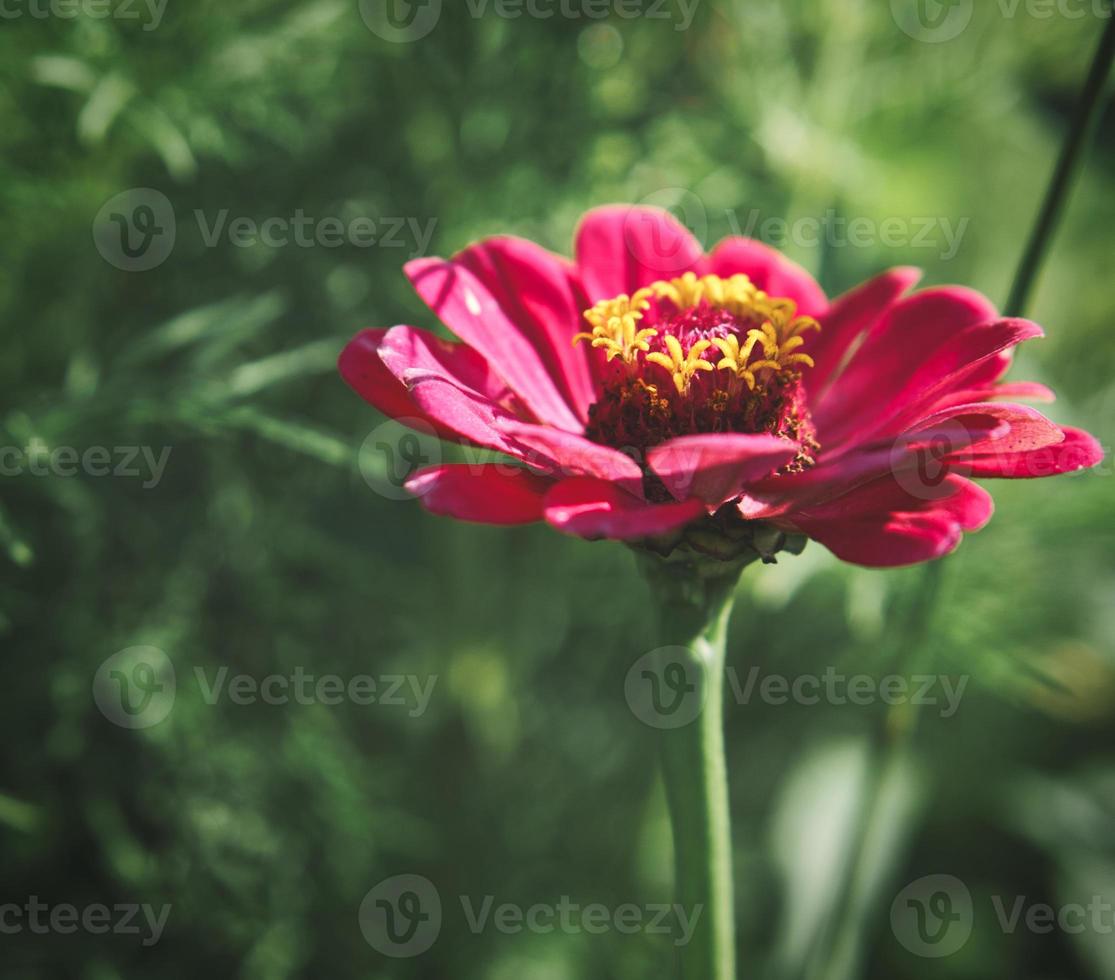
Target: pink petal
<point x="622" y="248"/>
<point x="361" y="367"/>
<point x="715" y="468"/>
<point x="469" y="415"/>
<point x="486" y="494"/>
<point x="1005" y="390"/>
<point x="563" y="454"/>
<point x="409" y="353"/>
<point x="913" y="364"/>
<point x="920" y="458"/>
<point x="594" y="509"/>
<point x="536" y="289"/>
<point x="466" y="306"/>
<point x="1028" y="428"/>
<point x="881" y="526"/>
<point x="771" y="271"/>
<point x="1077" y="451"/>
<point x="850" y="320"/>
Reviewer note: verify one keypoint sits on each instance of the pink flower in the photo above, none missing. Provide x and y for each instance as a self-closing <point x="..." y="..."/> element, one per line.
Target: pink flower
<point x="647" y="390"/>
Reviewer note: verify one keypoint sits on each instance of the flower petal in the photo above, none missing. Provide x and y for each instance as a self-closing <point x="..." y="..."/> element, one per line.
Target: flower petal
<point x="364" y="371"/>
<point x="880" y="525"/>
<point x="465" y="305"/>
<point x="453" y="408"/>
<point x="410" y="353"/>
<point x="771" y="271"/>
<point x="716" y="467"/>
<point x="595" y="509"/>
<point x="849" y="321"/>
<point x="622" y="248"/>
<point x="914" y="364"/>
<point x="564" y="454"/>
<point x="536" y="289"/>
<point x="1077" y="451"/>
<point x="486" y="494"/>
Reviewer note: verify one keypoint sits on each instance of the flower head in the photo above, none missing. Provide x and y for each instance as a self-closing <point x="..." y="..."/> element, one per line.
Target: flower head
<point x="651" y="393"/>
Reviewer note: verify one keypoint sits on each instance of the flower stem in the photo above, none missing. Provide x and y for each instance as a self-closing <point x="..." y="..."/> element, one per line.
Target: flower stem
<point x="694" y="602"/>
<point x="1072" y="154"/>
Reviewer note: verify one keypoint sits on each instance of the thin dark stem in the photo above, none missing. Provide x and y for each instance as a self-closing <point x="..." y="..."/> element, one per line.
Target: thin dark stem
<point x="1072" y="154"/>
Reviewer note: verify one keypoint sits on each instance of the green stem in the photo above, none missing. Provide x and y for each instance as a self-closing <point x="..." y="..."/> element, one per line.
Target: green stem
<point x="1072" y="155"/>
<point x="694" y="602"/>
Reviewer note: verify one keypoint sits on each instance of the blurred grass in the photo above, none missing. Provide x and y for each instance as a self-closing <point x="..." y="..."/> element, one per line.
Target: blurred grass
<point x="264" y="550"/>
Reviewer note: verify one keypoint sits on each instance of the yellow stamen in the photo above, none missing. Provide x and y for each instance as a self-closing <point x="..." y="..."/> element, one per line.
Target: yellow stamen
<point x="615" y="326"/>
<point x="681" y="365"/>
<point x="777" y="331"/>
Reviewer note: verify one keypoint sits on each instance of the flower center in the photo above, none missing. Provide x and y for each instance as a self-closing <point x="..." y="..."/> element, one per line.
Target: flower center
<point x="700" y="354"/>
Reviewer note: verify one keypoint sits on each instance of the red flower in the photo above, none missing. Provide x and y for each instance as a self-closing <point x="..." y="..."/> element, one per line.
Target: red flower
<point x="647" y="390"/>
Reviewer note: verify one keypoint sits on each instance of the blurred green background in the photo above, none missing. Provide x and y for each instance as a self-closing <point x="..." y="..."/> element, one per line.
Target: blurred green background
<point x="267" y="547"/>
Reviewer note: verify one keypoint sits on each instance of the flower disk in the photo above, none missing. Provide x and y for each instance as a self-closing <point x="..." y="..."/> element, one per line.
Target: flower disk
<point x="699" y="355"/>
